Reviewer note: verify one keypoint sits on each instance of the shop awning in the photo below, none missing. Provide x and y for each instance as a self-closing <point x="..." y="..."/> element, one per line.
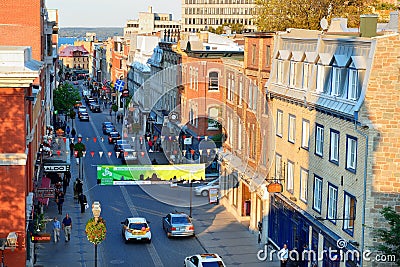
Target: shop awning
<point x="46" y="184"/>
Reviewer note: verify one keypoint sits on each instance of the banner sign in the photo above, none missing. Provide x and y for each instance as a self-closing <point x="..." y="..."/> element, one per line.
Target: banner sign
<point x="148" y="174"/>
<point x="213" y="195"/>
<point x="56" y="168"/>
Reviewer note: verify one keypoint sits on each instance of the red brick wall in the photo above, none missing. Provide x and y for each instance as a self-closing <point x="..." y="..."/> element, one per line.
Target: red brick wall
<point x="20" y="24"/>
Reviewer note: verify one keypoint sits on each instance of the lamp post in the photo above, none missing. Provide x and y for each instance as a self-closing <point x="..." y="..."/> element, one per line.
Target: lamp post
<point x="8" y="243"/>
<point x="96" y="210"/>
<point x="191" y="194"/>
<point x="80" y="150"/>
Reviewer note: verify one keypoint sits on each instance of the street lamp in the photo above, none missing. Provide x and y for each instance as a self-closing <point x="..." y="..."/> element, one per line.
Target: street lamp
<point x="80" y="151"/>
<point x="191" y="194"/>
<point x="8" y="243"/>
<point x="96" y="210"/>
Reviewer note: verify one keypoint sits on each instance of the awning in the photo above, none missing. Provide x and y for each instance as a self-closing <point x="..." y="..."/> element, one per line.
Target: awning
<point x="46" y="183"/>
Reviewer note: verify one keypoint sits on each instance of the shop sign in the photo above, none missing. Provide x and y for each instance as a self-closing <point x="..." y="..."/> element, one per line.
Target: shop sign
<point x="275" y="188"/>
<point x="213" y="195"/>
<point x="187" y="141"/>
<point x="45" y="192"/>
<point x="41" y="238"/>
<point x="56" y="168"/>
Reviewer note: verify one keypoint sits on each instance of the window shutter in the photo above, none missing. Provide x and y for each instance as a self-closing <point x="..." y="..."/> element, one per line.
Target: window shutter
<point x="343" y="80"/>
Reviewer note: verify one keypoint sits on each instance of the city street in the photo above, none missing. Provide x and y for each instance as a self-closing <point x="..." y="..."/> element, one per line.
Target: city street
<point x="216" y="230"/>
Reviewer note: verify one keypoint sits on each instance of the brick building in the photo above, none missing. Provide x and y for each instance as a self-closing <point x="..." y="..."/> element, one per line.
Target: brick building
<point x="334" y="104"/>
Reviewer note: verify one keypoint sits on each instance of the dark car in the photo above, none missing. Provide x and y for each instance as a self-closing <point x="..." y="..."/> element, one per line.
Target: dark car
<point x="178" y="224"/>
<point x="113" y="137"/>
<point x="94" y="107"/>
<point x="107" y="127"/>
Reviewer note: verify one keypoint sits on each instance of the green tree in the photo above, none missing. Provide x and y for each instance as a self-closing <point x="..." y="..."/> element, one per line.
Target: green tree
<point x="390" y="236"/>
<point x="277" y="15"/>
<point x="65" y="97"/>
<point x="114" y="108"/>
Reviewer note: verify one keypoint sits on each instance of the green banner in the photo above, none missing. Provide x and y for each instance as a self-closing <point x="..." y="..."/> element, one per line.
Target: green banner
<point x="147" y="174"/>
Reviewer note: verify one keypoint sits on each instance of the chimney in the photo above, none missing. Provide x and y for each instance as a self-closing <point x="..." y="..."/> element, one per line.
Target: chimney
<point x="368" y="25"/>
<point x="150" y="10"/>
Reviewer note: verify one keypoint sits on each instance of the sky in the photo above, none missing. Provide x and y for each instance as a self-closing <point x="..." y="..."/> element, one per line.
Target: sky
<point x="108" y="13"/>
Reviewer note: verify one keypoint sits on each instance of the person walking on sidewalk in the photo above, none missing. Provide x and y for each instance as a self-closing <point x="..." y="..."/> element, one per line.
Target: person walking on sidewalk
<point x="60" y="201"/>
<point x="67" y="227"/>
<point x="283" y="255"/>
<point x="56" y="229"/>
<point x="83" y="202"/>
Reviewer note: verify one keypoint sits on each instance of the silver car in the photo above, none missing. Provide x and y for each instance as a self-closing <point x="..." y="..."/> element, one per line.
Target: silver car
<point x="178" y="224"/>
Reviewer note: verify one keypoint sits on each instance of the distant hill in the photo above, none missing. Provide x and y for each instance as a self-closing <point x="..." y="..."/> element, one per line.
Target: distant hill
<point x="101" y="33"/>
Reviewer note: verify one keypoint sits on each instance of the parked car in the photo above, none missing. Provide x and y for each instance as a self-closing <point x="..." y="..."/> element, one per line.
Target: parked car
<point x="84" y="116"/>
<point x="121" y="149"/>
<point x="136" y="228"/>
<point x="203" y="190"/>
<point x="204" y="260"/>
<point x="94" y="107"/>
<point x="113" y="137"/>
<point x="107" y="127"/>
<point x="129" y="156"/>
<point x="178" y="224"/>
<point x="120" y="142"/>
<point x="77" y="104"/>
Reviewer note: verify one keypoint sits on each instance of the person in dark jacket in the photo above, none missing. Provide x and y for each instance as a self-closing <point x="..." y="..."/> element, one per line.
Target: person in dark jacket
<point x="82" y="201"/>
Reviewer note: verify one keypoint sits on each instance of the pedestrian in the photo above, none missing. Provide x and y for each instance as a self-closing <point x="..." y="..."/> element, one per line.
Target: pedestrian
<point x="83" y="202"/>
<point x="67" y="227"/>
<point x="65" y="184"/>
<point x="78" y="189"/>
<point x="60" y="201"/>
<point x="150" y="143"/>
<point x="118" y="118"/>
<point x="283" y="255"/>
<point x="110" y="112"/>
<point x="67" y="130"/>
<point x="56" y="229"/>
<point x="73" y="133"/>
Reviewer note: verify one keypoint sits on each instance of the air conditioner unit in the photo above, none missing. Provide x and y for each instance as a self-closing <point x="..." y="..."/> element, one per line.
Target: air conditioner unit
<point x="43" y="103"/>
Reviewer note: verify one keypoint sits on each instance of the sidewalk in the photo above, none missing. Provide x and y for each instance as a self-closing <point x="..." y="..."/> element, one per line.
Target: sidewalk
<point x="78" y="251"/>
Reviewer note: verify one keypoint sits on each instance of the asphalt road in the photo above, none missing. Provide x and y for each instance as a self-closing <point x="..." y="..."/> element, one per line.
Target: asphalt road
<point x="118" y="202"/>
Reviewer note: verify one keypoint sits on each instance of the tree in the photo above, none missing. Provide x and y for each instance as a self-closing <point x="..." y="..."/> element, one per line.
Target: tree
<point x="277" y="15"/>
<point x="390" y="236"/>
<point x="65" y="97"/>
<point x="114" y="108"/>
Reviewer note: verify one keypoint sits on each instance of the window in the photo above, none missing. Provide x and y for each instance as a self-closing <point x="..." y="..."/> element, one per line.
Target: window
<point x="279" y="72"/>
<point x="353" y="81"/>
<point x="306" y="74"/>
<point x="278" y="166"/>
<point x="213" y="114"/>
<point x="319" y="140"/>
<point x="239" y="132"/>
<point x="250" y="98"/>
<point x="320" y="78"/>
<point x="332" y="202"/>
<point x="213" y="81"/>
<point x="303" y="185"/>
<point x="334" y="147"/>
<point x="264" y="151"/>
<point x="290" y="177"/>
<point x="351" y="153"/>
<point x="253" y="54"/>
<point x="317" y="194"/>
<point x="349" y="211"/>
<point x="292" y="128"/>
<point x="279" y="123"/>
<point x="305" y="134"/>
<point x="230" y="86"/>
<point x="268" y="56"/>
<point x="240" y="90"/>
<point x="336" y="76"/>
<point x="292" y="78"/>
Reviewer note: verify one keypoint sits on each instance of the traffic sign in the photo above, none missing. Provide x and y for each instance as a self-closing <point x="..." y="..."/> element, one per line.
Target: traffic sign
<point x="45" y="192"/>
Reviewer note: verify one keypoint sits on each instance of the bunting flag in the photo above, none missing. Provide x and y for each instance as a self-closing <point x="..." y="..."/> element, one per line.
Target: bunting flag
<point x="148" y="138"/>
<point x="102" y="139"/>
<point x="155" y="137"/>
<point x="117" y="153"/>
<point x="72" y="139"/>
<point x="58" y="152"/>
<point x="84" y="153"/>
<point x="198" y="137"/>
<point x="57" y="141"/>
<point x="162" y="138"/>
<point x="170" y="138"/>
<point x="92" y="153"/>
<point x="134" y="153"/>
<point x="87" y="139"/>
<point x="133" y="139"/>
<point x="109" y="154"/>
<point x="177" y="137"/>
<point x="100" y="153"/>
<point x="94" y="139"/>
<point x="208" y="151"/>
<point x="65" y="139"/>
<point x="206" y="137"/>
<point x="184" y="152"/>
<point x="192" y="151"/>
<point x="201" y="152"/>
<point x="150" y="150"/>
<point x="142" y="154"/>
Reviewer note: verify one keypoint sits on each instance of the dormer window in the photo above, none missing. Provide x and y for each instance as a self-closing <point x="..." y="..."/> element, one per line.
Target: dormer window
<point x="353" y="82"/>
<point x="336" y="77"/>
<point x="356" y="73"/>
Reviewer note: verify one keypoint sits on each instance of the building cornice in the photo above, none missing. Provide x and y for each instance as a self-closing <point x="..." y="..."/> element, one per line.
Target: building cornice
<point x="7" y="159"/>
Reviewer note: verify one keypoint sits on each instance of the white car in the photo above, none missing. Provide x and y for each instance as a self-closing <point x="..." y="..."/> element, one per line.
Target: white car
<point x="204" y="260"/>
<point x="136" y="228"/>
<point x="203" y="190"/>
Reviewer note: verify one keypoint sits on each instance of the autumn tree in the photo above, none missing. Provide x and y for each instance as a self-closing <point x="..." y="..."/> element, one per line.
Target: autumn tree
<point x="277" y="15"/>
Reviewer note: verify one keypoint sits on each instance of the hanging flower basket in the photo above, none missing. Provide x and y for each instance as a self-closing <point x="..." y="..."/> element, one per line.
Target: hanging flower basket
<point x="96" y="231"/>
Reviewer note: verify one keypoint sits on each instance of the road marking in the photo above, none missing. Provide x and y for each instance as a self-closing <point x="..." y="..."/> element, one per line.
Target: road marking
<point x="150" y="247"/>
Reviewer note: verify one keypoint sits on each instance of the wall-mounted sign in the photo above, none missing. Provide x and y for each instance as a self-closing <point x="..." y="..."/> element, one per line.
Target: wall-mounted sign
<point x="56" y="168"/>
<point x="213" y="195"/>
<point x="45" y="192"/>
<point x="275" y="188"/>
<point x="41" y="238"/>
<point x="187" y="141"/>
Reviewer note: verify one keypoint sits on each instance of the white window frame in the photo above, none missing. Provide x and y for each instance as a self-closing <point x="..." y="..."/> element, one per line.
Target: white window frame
<point x="332" y="203"/>
<point x="292" y="128"/>
<point x="305" y="134"/>
<point x="334" y="146"/>
<point x="306" y="74"/>
<point x="278" y="167"/>
<point x="317" y="198"/>
<point x="240" y="90"/>
<point x="353" y="84"/>
<point x="279" y="71"/>
<point x="279" y="123"/>
<point x="319" y="140"/>
<point x="320" y="78"/>
<point x="336" y="77"/>
<point x="292" y="73"/>
<point x="212" y="81"/>
<point x="290" y="177"/>
<point x="351" y="153"/>
<point x="304" y="185"/>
